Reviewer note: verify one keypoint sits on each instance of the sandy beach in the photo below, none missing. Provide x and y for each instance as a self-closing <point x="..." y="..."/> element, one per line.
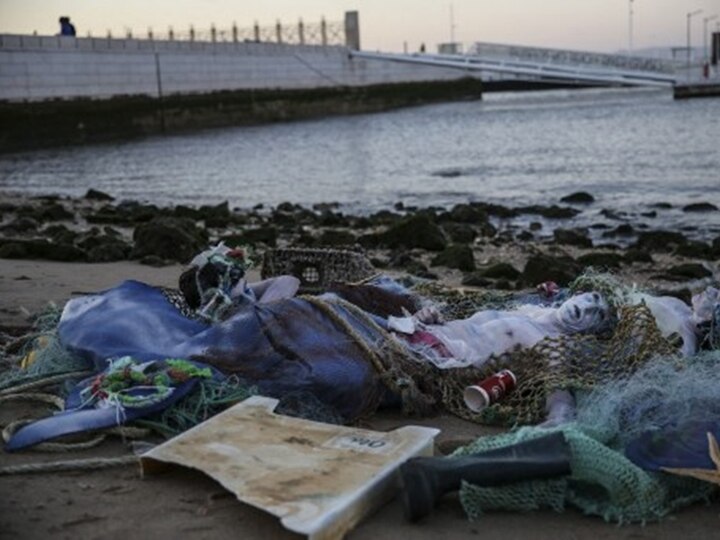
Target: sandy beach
<point x="116" y="503"/>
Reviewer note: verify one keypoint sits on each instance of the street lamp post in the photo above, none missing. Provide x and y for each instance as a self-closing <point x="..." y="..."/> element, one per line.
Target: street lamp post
<point x="630" y="26"/>
<point x="706" y="20"/>
<point x="690" y="15"/>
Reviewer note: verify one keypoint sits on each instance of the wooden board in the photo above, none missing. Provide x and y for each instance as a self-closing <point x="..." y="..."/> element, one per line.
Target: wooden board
<point x="319" y="479"/>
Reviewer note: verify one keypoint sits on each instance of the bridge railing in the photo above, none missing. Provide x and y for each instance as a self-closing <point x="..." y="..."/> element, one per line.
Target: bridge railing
<point x="314" y="33"/>
<point x="562" y="57"/>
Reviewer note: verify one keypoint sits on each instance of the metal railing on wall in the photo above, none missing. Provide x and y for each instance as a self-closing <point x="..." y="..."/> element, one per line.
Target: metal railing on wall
<point x="321" y="33"/>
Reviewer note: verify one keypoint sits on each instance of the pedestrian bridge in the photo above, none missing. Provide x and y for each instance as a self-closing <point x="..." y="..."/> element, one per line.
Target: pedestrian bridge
<point x="550" y="65"/>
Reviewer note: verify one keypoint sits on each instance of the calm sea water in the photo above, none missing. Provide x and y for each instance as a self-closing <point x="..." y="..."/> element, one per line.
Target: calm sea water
<point x="629" y="148"/>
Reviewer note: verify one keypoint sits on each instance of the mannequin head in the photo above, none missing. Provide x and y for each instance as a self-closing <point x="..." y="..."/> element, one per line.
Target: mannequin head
<point x="583" y="313"/>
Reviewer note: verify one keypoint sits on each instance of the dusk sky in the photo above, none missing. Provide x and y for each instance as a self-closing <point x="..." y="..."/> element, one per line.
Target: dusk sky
<point x="598" y="25"/>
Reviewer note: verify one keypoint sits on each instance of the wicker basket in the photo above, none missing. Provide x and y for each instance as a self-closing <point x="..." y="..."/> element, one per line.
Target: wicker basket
<point x="317" y="269"/>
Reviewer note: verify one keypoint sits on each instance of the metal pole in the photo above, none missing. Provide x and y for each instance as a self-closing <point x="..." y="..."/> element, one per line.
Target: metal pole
<point x="452" y="23"/>
<point x="706" y="20"/>
<point x="630" y="26"/>
<point x="690" y="15"/>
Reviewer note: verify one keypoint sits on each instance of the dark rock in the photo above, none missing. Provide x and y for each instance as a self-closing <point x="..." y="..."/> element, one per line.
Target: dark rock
<point x="361" y="222"/>
<point x="621" y="230"/>
<point x="448" y="173"/>
<point x="112" y="232"/>
<point x="651" y="214"/>
<point x="535" y="226"/>
<point x="689" y="271"/>
<point x="171" y="238"/>
<point x="465" y="213"/>
<point x="695" y="250"/>
<point x="496" y="210"/>
<point x="417" y="231"/>
<point x="526" y="236"/>
<point x="460" y="233"/>
<point x="337" y="219"/>
<point x="188" y="212"/>
<point x="541" y="268"/>
<point x="500" y="271"/>
<point x="267" y="235"/>
<point x="612" y="214"/>
<point x="599" y="226"/>
<point x="503" y="285"/>
<point x="661" y="206"/>
<point x="14" y="250"/>
<point x="97" y="195"/>
<point x="42" y="249"/>
<point x="217" y="216"/>
<point x="401" y="259"/>
<point x="600" y="260"/>
<point x="60" y="234"/>
<point x="20" y="225"/>
<point x="422" y="272"/>
<point x="581" y="197"/>
<point x="109" y="251"/>
<point x="385" y="217"/>
<point x="107" y="214"/>
<point x="572" y="237"/>
<point x="659" y="241"/>
<point x="332" y="237"/>
<point x="456" y="256"/>
<point x="326" y="206"/>
<point x="639" y="256"/>
<point x="550" y="212"/>
<point x="370" y="240"/>
<point x="379" y="262"/>
<point x="700" y="207"/>
<point x="54" y="212"/>
<point x="716" y="245"/>
<point x="138" y="213"/>
<point x="287" y="207"/>
<point x="476" y="280"/>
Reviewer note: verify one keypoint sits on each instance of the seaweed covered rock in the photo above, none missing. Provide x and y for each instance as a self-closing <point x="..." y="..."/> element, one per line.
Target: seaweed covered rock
<point x="457" y="256"/>
<point x="267" y="235"/>
<point x="42" y="250"/>
<point x="171" y="238"/>
<point x="579" y="197"/>
<point x="541" y="268"/>
<point x="500" y="271"/>
<point x="417" y="231"/>
<point x="601" y="261"/>
<point x="97" y="195"/>
<point x="572" y="237"/>
<point x="659" y="241"/>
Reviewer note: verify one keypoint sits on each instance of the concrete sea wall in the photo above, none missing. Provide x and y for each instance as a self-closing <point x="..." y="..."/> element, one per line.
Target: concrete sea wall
<point x="63" y="90"/>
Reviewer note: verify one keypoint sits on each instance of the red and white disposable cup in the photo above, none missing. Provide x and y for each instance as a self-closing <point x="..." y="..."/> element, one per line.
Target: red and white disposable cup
<point x="488" y="391"/>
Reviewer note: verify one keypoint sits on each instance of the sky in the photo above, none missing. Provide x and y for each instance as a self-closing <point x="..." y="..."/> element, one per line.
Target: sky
<point x="387" y="25"/>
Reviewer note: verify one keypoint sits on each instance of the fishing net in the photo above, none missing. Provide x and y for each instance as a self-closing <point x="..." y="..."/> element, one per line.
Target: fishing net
<point x="558" y="363"/>
<point x="38" y="354"/>
<point x="666" y="392"/>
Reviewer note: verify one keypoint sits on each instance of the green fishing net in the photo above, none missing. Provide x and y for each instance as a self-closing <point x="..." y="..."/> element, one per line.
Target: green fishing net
<point x="665" y="392"/>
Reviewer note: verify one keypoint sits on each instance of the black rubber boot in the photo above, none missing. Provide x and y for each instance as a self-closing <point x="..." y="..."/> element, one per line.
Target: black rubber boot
<point x="425" y="480"/>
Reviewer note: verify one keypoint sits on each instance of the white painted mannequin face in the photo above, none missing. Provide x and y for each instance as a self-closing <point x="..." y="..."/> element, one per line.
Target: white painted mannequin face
<point x="704" y="305"/>
<point x="585" y="312"/>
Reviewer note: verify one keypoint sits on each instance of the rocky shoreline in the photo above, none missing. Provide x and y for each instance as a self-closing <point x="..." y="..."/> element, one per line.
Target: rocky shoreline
<point x="475" y="244"/>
